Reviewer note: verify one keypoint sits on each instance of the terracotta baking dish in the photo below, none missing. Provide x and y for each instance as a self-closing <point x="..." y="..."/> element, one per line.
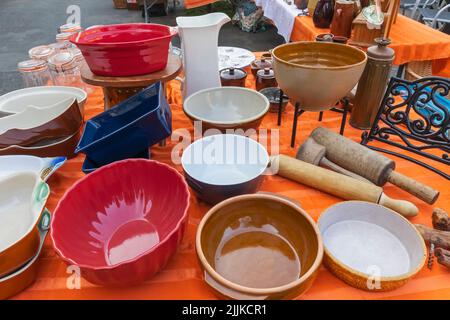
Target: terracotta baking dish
<point x="259" y="246"/>
<point x="64" y="147"/>
<point x="23" y="277"/>
<point x="36" y="124"/>
<point x="369" y="246"/>
<point x="22" y="198"/>
<point x="125" y="49"/>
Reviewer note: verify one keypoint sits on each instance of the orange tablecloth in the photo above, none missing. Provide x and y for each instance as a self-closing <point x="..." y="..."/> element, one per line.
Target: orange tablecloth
<point x="411" y="40"/>
<point x="182" y="278"/>
<point x="197" y="3"/>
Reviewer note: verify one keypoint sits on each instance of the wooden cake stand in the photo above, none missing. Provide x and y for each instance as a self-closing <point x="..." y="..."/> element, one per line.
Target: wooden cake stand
<point x="117" y="89"/>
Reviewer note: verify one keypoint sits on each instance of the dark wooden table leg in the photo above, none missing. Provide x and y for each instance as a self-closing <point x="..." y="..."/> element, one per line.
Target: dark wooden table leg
<point x="280" y="109"/>
<point x="401" y="69"/>
<point x="320" y="116"/>
<point x="344" y="116"/>
<point x="297" y="113"/>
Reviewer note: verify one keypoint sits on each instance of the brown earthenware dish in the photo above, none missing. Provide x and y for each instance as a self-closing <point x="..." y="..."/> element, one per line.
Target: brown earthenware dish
<point x="63" y="147"/>
<point x="271" y="230"/>
<point x="317" y="74"/>
<point x="265" y="78"/>
<point x="63" y="125"/>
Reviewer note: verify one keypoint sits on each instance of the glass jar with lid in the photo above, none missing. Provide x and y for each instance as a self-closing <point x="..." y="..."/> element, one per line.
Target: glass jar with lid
<point x="63" y="38"/>
<point x="65" y="70"/>
<point x="43" y="52"/>
<point x="34" y="73"/>
<point x="70" y="27"/>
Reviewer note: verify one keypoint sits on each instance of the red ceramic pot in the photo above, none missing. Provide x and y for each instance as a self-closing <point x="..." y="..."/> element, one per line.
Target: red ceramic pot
<point x="123" y="222"/>
<point x="125" y="49"/>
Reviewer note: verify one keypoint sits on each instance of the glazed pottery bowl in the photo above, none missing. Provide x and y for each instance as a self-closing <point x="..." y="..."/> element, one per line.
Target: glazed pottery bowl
<point x="22" y="198"/>
<point x="127" y="129"/>
<point x="60" y="147"/>
<point x="259" y="246"/>
<point x="130" y="217"/>
<point x="35" y="124"/>
<point x="317" y="74"/>
<point x="40" y="97"/>
<point x="17" y="281"/>
<point x="222" y="166"/>
<point x="227" y="108"/>
<point x="273" y="95"/>
<point x="363" y="239"/>
<point x="43" y="167"/>
<point x="125" y="49"/>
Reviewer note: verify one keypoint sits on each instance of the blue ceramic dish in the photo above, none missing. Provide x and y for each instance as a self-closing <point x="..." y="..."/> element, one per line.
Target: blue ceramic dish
<point x="127" y="129"/>
<point x="89" y="166"/>
<point x="222" y="166"/>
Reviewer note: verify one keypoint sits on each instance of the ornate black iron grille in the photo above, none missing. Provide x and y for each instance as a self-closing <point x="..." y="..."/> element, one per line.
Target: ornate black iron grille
<point x="415" y="116"/>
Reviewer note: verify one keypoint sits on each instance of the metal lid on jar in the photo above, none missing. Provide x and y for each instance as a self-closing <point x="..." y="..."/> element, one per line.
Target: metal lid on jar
<point x="62" y="61"/>
<point x="266" y="73"/>
<point x="262" y="63"/>
<point x="65" y="36"/>
<point x="41" y="52"/>
<point x="31" y="65"/>
<point x="233" y="73"/>
<point x="70" y="27"/>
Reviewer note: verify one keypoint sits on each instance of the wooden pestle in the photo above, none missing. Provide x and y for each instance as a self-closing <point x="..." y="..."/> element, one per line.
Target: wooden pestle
<point x="338" y="184"/>
<point x="440" y="219"/>
<point x="312" y="152"/>
<point x="369" y="164"/>
<point x="443" y="256"/>
<point x="440" y="238"/>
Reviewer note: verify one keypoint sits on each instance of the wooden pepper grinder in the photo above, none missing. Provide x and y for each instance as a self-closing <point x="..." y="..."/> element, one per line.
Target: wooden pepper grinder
<point x="372" y="85"/>
<point x="344" y="12"/>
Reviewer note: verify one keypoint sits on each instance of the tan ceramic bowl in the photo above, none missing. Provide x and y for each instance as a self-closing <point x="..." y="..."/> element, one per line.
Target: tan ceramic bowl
<point x="370" y="247"/>
<point x="225" y="108"/>
<point x="317" y="74"/>
<point x="259" y="246"/>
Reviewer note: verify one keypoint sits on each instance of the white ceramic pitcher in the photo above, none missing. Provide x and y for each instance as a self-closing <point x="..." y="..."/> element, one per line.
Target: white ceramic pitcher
<point x="199" y="42"/>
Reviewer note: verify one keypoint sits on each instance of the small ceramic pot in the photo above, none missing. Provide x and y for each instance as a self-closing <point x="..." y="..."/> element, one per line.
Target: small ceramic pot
<point x="325" y="37"/>
<point x="222" y="175"/>
<point x="23" y="197"/>
<point x="23" y="277"/>
<point x="273" y="94"/>
<point x="239" y="239"/>
<point x="265" y="78"/>
<point x="233" y="77"/>
<point x="258" y="64"/>
<point x="340" y="39"/>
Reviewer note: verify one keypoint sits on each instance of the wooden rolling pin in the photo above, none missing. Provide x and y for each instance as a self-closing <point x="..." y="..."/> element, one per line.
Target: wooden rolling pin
<point x="338" y="184"/>
<point x="369" y="164"/>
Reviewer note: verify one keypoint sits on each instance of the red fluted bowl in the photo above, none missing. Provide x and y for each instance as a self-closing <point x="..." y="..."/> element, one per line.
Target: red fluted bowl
<point x="121" y="224"/>
<point x="125" y="49"/>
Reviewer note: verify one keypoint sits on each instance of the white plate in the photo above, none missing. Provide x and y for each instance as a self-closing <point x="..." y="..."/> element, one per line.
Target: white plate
<point x="234" y="57"/>
<point x="41" y="97"/>
<point x="43" y="167"/>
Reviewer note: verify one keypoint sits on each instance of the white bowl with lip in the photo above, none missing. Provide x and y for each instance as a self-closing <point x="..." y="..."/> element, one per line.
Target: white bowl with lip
<point x="221" y="166"/>
<point x="225" y="108"/>
<point x="40" y="97"/>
